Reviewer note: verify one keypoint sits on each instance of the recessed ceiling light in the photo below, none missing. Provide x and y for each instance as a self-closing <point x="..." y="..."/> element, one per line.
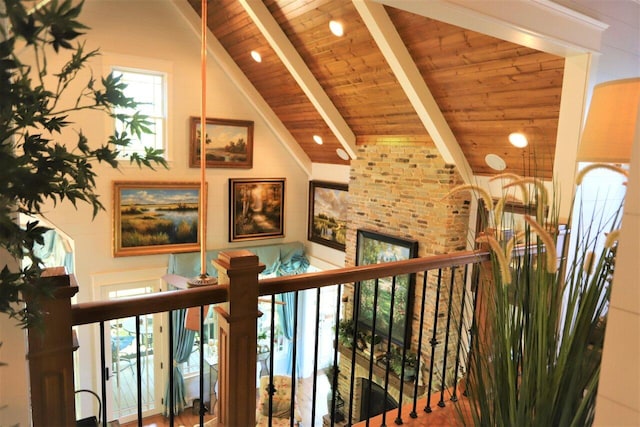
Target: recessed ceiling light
<point x="342" y="154"/>
<point x="336" y="28"/>
<point x="518" y="139"/>
<point x="317" y="139"/>
<point x="495" y="162"/>
<point x="256" y="56"/>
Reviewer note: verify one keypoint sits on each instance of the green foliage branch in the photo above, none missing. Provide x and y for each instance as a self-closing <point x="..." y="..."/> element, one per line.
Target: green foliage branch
<point x="39" y="164"/>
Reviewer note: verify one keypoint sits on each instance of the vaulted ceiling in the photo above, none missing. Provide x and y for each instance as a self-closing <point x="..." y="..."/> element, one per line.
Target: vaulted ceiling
<point x="393" y="77"/>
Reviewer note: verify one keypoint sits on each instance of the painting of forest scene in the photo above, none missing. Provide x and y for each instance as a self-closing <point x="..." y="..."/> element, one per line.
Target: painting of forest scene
<point x="155" y="217"/>
<point x="256" y="209"/>
<point x="228" y="143"/>
<point x="375" y="248"/>
<point x="328" y="206"/>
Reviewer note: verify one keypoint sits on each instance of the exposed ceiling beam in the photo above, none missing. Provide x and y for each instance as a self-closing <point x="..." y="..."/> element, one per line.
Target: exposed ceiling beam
<point x="538" y="24"/>
<point x="409" y="77"/>
<point x="291" y="59"/>
<point x="234" y="72"/>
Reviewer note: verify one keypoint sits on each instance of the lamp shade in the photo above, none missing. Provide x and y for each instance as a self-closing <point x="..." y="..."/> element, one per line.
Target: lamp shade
<point x="611" y="123"/>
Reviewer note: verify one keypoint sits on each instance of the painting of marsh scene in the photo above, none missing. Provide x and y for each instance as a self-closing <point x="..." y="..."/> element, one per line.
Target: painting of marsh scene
<point x="154" y="218"/>
<point x="228" y="143"/>
<point x="328" y="206"/>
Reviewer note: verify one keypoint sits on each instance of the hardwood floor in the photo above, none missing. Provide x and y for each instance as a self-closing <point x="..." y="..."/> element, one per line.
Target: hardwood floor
<point x="446" y="416"/>
<point x="185" y="418"/>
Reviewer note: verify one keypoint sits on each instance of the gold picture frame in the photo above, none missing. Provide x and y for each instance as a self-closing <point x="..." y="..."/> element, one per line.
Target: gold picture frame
<point x="156" y="217"/>
<point x="228" y="144"/>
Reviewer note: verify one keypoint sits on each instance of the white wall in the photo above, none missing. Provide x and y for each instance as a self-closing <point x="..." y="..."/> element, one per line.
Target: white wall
<point x="146" y="34"/>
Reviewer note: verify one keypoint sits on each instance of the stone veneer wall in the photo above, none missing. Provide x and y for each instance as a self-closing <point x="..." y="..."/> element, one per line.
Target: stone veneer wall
<point x="398" y="190"/>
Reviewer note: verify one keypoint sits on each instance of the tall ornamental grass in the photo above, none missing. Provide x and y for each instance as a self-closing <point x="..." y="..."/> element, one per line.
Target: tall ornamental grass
<point x="535" y="356"/>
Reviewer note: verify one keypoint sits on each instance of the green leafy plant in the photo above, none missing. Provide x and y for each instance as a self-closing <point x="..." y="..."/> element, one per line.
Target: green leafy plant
<point x="346" y="330"/>
<point x="44" y="157"/>
<point x="535" y="358"/>
<point x="396" y="362"/>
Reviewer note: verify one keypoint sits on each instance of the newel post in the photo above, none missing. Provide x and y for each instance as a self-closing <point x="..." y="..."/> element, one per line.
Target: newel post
<point x="50" y="355"/>
<point x="237" y="337"/>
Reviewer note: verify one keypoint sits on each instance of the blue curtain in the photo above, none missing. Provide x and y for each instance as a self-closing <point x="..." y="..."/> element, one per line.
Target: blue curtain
<point x="296" y="264"/>
<point x="53" y="251"/>
<point x="182" y="346"/>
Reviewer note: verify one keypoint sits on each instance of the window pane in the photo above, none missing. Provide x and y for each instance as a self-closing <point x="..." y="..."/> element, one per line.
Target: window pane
<point x="148" y="89"/>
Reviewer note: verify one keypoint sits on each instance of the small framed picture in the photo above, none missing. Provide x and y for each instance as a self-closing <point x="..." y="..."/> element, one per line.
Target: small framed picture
<point x="228" y="143"/>
<point x="328" y="206"/>
<point x="256" y="209"/>
<point x="155" y="217"/>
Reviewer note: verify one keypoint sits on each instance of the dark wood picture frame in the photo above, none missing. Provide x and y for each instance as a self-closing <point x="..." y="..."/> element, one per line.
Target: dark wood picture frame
<point x="327" y="224"/>
<point x="229" y="143"/>
<point x="374" y="248"/>
<point x="256" y="208"/>
<point x="152" y="217"/>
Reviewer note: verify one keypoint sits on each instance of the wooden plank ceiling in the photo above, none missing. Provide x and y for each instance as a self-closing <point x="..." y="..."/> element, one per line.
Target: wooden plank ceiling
<point x="485" y="87"/>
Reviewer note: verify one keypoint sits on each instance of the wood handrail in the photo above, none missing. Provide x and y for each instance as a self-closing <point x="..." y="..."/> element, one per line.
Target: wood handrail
<point x="99" y="311"/>
<point x="300" y="282"/>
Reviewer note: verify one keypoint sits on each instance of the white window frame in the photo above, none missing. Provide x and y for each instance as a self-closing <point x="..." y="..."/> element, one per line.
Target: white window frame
<point x="145" y="65"/>
<point x="158" y="117"/>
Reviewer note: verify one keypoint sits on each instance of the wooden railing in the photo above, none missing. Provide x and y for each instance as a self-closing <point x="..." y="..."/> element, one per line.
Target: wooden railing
<point x="236" y="296"/>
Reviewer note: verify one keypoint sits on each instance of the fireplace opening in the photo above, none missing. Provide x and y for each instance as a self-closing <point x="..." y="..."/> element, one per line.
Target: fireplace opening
<point x="375" y="402"/>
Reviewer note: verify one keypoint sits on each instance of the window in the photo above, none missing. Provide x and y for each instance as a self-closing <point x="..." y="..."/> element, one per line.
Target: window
<point x="149" y="90"/>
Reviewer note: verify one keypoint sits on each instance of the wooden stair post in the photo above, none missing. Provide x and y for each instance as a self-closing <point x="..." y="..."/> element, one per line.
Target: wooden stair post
<point x="237" y="338"/>
<point x="51" y="355"/>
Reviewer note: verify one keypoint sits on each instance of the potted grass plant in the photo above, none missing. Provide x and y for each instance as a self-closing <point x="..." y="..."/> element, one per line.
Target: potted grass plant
<point x="536" y="359"/>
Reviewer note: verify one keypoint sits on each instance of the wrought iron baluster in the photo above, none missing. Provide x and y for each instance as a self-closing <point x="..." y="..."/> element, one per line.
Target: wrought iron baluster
<point x="315" y="360"/>
<point x="414" y="413"/>
<point x="434" y="341"/>
<point x="356" y="319"/>
<point x="388" y="356"/>
<point x="171" y="372"/>
<point x="104" y="374"/>
<point x="446" y="340"/>
<point x="202" y="373"/>
<point x="294" y="351"/>
<point x="272" y="327"/>
<point x="373" y="334"/>
<point x="454" y="397"/>
<point x="138" y="371"/>
<point x="334" y="377"/>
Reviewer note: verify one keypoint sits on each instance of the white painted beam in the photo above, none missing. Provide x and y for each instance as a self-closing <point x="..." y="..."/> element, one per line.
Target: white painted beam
<point x="225" y="62"/>
<point x="572" y="114"/>
<point x="279" y="42"/>
<point x="538" y="24"/>
<point x="409" y="77"/>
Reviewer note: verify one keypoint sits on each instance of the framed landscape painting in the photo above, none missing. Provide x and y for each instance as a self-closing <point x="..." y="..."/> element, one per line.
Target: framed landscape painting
<point x="256" y="209"/>
<point x="375" y="248"/>
<point x="155" y="217"/>
<point x="228" y="143"/>
<point x="328" y="203"/>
